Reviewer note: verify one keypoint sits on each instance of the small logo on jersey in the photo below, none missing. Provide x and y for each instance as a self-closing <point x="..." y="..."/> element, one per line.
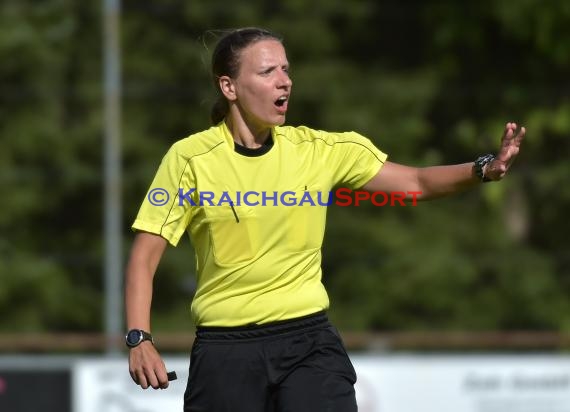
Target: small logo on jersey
<point x="158" y="197"/>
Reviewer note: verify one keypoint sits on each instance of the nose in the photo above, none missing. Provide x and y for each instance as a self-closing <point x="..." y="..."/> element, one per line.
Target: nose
<point x="284" y="79"/>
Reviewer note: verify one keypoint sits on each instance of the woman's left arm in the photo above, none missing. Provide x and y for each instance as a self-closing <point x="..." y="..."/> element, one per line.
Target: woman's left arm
<point x="437" y="181"/>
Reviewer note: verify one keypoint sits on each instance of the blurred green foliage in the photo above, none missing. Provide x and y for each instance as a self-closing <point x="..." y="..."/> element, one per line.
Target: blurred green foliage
<point x="428" y="81"/>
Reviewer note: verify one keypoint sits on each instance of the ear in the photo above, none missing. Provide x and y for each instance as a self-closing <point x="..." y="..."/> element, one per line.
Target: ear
<point x="227" y="87"/>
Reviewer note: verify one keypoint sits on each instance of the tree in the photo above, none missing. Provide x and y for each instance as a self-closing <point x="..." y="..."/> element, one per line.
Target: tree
<point x="429" y="82"/>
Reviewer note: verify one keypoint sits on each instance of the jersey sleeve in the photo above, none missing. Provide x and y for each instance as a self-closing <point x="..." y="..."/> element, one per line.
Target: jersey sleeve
<point x="162" y="211"/>
<point x="354" y="160"/>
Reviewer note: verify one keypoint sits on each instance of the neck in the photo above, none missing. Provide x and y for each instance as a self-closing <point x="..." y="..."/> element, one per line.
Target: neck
<point x="246" y="134"/>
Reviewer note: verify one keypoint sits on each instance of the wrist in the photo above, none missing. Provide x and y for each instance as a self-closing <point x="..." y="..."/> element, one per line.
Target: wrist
<point x="480" y="167"/>
<point x="135" y="337"/>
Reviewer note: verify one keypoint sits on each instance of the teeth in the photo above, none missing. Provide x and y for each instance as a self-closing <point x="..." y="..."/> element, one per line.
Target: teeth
<point x="281" y="101"/>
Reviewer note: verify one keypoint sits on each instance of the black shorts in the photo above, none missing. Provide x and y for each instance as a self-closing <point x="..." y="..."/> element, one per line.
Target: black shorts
<point x="291" y="366"/>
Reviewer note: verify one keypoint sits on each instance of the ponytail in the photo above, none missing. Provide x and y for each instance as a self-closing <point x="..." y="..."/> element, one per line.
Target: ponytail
<point x="219" y="110"/>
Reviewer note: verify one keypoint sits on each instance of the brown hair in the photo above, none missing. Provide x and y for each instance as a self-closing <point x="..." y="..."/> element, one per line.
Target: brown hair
<point x="226" y="61"/>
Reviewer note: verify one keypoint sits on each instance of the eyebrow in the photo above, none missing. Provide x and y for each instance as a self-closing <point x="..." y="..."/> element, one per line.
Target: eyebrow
<point x="264" y="68"/>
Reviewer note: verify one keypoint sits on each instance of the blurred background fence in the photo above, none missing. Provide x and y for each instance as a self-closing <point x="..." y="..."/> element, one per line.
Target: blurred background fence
<point x="427" y="341"/>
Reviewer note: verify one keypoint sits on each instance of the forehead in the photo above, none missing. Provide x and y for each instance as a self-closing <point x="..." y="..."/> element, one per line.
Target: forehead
<point x="263" y="53"/>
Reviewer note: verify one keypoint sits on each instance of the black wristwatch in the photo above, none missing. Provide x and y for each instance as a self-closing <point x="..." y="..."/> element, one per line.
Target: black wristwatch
<point x="135" y="337"/>
<point x="480" y="164"/>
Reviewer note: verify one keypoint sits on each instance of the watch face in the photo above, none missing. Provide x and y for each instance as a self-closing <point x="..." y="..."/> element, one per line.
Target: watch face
<point x="134" y="337"/>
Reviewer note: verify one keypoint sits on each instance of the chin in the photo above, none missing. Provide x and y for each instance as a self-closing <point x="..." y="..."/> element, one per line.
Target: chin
<point x="280" y="121"/>
<point x="271" y="121"/>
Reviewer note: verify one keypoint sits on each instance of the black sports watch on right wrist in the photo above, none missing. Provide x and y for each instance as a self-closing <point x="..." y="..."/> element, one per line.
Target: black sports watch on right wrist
<point x="135" y="337"/>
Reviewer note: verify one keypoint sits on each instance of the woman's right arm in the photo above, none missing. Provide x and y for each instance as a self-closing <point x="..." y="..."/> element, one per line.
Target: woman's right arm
<point x="145" y="364"/>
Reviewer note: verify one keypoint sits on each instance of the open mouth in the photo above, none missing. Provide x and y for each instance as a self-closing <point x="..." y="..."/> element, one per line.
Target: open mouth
<point x="281" y="102"/>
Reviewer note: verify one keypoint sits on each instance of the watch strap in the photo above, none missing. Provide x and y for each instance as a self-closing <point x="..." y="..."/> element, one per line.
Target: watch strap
<point x="479" y="166"/>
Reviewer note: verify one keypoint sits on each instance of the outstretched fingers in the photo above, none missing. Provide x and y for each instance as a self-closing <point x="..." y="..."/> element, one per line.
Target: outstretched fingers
<point x="519" y="137"/>
<point x="510" y="143"/>
<point x="508" y="151"/>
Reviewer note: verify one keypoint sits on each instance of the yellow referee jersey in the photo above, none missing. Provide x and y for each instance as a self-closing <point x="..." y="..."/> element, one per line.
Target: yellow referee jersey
<point x="256" y="220"/>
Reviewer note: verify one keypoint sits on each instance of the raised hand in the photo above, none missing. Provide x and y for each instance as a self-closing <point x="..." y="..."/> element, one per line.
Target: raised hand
<point x="510" y="146"/>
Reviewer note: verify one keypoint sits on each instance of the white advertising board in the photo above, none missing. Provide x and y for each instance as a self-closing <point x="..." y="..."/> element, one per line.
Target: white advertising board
<point x="396" y="383"/>
<point x="463" y="384"/>
<point x="103" y="385"/>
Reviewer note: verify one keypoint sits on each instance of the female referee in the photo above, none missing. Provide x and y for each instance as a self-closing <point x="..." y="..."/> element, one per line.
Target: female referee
<point x="263" y="340"/>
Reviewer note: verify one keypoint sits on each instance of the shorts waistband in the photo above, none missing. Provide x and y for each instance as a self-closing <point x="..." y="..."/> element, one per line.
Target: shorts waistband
<point x="263" y="330"/>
